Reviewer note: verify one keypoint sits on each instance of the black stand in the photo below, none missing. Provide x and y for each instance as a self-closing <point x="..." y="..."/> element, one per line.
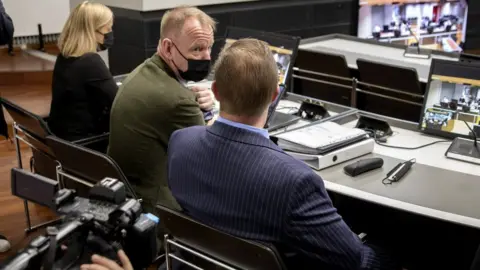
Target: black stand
<point x="381" y="128"/>
<point x="464" y="150"/>
<point x="416" y="52"/>
<point x="310" y="111"/>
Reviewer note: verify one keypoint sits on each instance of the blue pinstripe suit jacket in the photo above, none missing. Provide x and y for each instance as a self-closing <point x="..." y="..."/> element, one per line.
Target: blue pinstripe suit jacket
<point x="240" y="182"/>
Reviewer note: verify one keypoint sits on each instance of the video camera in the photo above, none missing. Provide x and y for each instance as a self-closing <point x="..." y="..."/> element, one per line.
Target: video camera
<point x="101" y="224"/>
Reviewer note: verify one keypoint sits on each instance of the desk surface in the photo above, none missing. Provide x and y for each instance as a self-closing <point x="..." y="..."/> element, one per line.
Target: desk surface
<point x="352" y="50"/>
<point x="435" y="186"/>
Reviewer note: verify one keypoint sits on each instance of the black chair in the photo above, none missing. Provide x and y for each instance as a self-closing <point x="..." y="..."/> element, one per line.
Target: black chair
<point x="83" y="166"/>
<point x="34" y="131"/>
<point x="323" y="76"/>
<point x="209" y="248"/>
<point x="389" y="90"/>
<point x="3" y="124"/>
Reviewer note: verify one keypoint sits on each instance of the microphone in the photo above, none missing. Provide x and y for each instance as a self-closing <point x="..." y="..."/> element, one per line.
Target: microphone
<point x="473" y="132"/>
<point x="413" y="34"/>
<point x="414" y="52"/>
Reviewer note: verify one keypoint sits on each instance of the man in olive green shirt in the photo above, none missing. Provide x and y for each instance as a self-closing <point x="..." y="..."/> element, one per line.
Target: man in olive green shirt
<point x="153" y="102"/>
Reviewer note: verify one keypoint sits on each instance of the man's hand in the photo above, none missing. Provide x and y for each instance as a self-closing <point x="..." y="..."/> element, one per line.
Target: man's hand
<point x="102" y="263"/>
<point x="204" y="97"/>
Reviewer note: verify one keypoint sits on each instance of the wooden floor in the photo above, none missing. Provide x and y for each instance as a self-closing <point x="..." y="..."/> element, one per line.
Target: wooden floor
<point x="34" y="97"/>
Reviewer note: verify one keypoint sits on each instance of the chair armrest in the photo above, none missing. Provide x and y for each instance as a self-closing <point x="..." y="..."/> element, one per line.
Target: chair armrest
<point x="98" y="143"/>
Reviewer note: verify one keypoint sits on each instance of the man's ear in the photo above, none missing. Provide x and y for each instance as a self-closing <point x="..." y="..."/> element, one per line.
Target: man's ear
<point x="165" y="47"/>
<point x="215" y="91"/>
<point x="275" y="94"/>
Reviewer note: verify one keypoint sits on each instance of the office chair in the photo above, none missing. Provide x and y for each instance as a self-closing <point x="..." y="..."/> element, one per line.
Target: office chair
<point x="207" y="248"/>
<point x="389" y="90"/>
<point x="323" y="76"/>
<point x="84" y="166"/>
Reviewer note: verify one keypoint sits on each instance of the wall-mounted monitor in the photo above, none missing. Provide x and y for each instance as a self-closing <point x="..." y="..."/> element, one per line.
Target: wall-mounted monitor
<point x="452" y="98"/>
<point x="436" y="24"/>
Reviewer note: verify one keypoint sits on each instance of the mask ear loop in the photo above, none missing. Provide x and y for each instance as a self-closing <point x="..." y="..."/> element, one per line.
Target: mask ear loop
<point x="179" y="70"/>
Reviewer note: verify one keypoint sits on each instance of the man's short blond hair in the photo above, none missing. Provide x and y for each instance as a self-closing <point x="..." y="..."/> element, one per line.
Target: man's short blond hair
<point x="173" y="20"/>
<point x="246" y="77"/>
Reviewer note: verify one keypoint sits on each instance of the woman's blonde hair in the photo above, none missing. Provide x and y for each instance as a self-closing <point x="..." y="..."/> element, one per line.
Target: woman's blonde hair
<point x="78" y="34"/>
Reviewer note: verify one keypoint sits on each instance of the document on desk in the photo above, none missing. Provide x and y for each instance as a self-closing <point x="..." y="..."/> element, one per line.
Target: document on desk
<point x="320" y="138"/>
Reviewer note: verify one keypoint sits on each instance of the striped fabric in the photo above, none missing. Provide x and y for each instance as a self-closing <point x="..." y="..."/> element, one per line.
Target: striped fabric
<point x="240" y="182"/>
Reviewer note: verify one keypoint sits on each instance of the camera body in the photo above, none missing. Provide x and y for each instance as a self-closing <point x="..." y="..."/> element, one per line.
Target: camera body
<point x="101" y="224"/>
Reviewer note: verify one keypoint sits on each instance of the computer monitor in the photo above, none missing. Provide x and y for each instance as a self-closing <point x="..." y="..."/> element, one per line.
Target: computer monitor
<point x="273" y="106"/>
<point x="452" y="98"/>
<point x="439" y="25"/>
<point x="284" y="48"/>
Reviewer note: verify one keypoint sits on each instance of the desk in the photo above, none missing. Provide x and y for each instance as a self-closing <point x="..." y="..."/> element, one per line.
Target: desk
<point x="436" y="187"/>
<point x="353" y="48"/>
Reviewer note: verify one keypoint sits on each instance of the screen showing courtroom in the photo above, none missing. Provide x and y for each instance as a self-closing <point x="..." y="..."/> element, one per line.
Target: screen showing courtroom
<point x="284" y="48"/>
<point x="281" y="55"/>
<point x="453" y="98"/>
<point x="437" y="24"/>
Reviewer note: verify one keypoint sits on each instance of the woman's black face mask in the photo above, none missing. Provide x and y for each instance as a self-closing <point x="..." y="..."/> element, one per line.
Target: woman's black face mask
<point x="197" y="69"/>
<point x="107" y="41"/>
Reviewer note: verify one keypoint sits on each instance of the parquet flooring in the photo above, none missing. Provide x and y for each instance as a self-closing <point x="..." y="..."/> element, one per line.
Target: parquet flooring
<point x="28" y="85"/>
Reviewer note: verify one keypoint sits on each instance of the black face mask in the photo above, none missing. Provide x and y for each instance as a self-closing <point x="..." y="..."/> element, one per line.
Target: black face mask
<point x="197" y="69"/>
<point x="107" y="41"/>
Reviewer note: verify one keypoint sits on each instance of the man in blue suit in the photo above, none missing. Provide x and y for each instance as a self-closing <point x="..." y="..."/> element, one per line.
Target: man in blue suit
<point x="232" y="177"/>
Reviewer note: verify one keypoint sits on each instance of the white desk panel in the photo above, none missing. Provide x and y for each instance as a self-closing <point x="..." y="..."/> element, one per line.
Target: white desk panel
<point x="433" y="155"/>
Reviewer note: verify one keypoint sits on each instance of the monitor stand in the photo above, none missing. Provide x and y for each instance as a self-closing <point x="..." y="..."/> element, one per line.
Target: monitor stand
<point x="464" y="150"/>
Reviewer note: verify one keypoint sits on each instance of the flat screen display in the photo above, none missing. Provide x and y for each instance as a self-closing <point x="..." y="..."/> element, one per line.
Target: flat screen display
<point x="284" y="48"/>
<point x="437" y="24"/>
<point x="452" y="100"/>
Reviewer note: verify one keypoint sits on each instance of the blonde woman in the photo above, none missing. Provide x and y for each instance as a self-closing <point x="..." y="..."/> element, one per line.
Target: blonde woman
<point x="83" y="88"/>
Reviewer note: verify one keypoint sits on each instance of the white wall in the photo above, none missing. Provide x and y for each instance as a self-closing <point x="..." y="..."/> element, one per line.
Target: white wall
<point x="147" y="5"/>
<point x="127" y="4"/>
<point x="27" y="14"/>
<point x="166" y="4"/>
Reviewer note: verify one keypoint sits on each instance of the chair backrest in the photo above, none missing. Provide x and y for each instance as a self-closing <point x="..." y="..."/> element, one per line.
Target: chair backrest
<point x="231" y="250"/>
<point x="404" y="100"/>
<point x="395" y="77"/>
<point x="28" y="121"/>
<point x="3" y="124"/>
<point x="32" y="125"/>
<point x="85" y="163"/>
<point x="309" y="81"/>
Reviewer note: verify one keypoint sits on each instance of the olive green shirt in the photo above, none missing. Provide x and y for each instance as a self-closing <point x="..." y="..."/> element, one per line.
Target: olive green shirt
<point x="150" y="105"/>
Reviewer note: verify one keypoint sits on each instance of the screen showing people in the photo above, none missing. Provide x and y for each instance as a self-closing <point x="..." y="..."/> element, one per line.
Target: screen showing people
<point x="282" y="57"/>
<point x="452" y="101"/>
<point x="437" y="24"/>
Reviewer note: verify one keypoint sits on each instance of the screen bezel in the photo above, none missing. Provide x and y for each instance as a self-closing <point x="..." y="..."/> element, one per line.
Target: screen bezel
<point x="440" y="133"/>
<point x="265" y="36"/>
<point x="272" y="108"/>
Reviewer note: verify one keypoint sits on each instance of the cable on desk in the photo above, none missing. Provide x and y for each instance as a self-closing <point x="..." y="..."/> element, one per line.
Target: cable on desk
<point x="377" y="141"/>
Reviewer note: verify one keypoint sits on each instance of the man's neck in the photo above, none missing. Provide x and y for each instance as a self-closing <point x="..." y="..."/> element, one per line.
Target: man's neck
<point x="169" y="64"/>
<point x="254" y="121"/>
